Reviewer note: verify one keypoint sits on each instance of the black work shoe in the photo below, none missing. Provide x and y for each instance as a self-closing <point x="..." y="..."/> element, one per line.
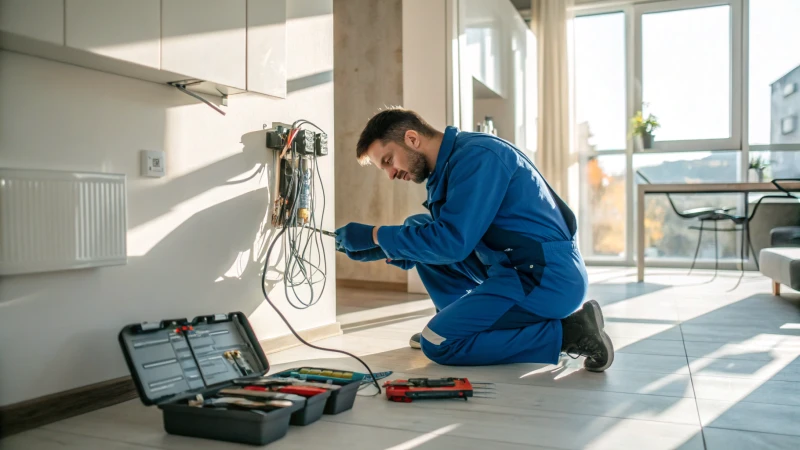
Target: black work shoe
<point x="414" y="341"/>
<point x="584" y="336"/>
<point x="583" y="315"/>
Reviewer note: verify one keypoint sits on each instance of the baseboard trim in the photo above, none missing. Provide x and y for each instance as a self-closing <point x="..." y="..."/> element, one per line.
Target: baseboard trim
<point x="287" y="341"/>
<point x="41" y="411"/>
<point x="373" y="285"/>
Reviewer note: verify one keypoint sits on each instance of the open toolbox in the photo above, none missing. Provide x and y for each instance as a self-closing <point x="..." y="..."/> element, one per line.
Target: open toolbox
<point x="208" y="376"/>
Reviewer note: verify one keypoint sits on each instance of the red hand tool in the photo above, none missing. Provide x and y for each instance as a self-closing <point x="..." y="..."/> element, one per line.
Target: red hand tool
<point x="429" y="388"/>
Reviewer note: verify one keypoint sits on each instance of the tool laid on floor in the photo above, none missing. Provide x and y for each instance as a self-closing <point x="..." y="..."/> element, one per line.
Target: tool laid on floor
<point x="434" y="388"/>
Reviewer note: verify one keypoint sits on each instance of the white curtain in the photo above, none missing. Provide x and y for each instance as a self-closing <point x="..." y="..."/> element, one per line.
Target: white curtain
<point x="549" y="24"/>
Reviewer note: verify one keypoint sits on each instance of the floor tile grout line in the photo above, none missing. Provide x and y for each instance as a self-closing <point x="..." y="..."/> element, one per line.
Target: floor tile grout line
<point x="753" y="431"/>
<point x="638" y="419"/>
<point x="326" y="419"/>
<point x="694" y="392"/>
<point x="763" y="380"/>
<point x="544" y="447"/>
<point x="102" y="438"/>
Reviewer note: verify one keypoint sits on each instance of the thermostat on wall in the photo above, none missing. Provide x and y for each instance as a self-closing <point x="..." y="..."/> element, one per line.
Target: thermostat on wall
<point x="153" y="163"/>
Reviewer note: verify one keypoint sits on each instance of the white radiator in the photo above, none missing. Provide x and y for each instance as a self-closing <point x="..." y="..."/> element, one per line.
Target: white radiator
<point x="56" y="220"/>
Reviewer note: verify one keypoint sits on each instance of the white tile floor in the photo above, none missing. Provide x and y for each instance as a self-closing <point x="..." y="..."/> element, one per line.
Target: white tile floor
<point x="697" y="367"/>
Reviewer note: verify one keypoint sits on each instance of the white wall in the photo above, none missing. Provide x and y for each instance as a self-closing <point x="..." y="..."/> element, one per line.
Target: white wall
<point x="424" y="83"/>
<point x="194" y="236"/>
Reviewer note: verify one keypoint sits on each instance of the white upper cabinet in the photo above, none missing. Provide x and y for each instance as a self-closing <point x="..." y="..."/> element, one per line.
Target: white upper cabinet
<point x="266" y="47"/>
<point x="205" y="39"/>
<point x="231" y="45"/>
<point x="129" y="30"/>
<point x="42" y="20"/>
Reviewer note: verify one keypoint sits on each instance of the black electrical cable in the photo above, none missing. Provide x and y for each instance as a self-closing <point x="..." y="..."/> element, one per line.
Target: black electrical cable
<point x="296" y="253"/>
<point x="266" y="297"/>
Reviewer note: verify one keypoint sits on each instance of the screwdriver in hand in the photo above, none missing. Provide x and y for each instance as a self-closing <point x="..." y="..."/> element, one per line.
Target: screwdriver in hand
<point x="326" y="233"/>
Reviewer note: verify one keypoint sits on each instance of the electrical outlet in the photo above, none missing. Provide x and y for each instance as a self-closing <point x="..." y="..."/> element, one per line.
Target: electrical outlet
<point x="154" y="164"/>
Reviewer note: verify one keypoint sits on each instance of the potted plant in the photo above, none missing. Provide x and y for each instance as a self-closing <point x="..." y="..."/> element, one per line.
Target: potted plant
<point x="759" y="164"/>
<point x="644" y="128"/>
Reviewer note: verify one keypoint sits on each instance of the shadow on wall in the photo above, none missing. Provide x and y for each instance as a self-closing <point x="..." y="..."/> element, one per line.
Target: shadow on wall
<point x="216" y="255"/>
<point x="152" y="201"/>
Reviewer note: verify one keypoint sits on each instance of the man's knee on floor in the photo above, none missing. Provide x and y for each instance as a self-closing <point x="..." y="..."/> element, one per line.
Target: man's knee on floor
<point x="434" y="346"/>
<point x="417" y="220"/>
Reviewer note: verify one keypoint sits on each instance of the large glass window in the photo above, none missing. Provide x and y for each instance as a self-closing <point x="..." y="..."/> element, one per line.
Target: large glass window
<point x="603" y="207"/>
<point x="686" y="72"/>
<point x="767" y="165"/>
<point x="774" y="72"/>
<point x="682" y="61"/>
<point x="600" y="80"/>
<point x="667" y="233"/>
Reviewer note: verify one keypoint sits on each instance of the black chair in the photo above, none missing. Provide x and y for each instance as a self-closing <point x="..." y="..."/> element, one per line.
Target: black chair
<point x="744" y="221"/>
<point x="709" y="213"/>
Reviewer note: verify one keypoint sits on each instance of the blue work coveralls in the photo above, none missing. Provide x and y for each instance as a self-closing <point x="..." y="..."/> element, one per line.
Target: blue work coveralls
<point x="497" y="255"/>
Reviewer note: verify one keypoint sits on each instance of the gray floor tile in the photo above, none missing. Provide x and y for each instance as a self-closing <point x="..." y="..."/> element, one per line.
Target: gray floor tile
<point x="719" y="439"/>
<point x="649" y="346"/>
<point x="546" y="428"/>
<point x="42" y="439"/>
<point x="747" y="389"/>
<point x="760" y="417"/>
<point x="785" y="369"/>
<point x="747" y="351"/>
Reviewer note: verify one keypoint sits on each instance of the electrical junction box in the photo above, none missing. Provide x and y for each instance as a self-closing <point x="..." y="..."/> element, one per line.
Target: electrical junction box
<point x="154" y="163"/>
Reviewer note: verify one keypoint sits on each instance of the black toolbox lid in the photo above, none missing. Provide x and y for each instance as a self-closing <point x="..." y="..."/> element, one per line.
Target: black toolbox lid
<point x="177" y="358"/>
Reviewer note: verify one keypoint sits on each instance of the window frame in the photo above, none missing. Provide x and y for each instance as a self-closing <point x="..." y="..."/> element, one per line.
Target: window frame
<point x="738" y="141"/>
<point x="734" y="142"/>
<point x="583" y="157"/>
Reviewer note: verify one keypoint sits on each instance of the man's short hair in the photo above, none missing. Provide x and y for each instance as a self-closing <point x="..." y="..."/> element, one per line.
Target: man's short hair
<point x="390" y="125"/>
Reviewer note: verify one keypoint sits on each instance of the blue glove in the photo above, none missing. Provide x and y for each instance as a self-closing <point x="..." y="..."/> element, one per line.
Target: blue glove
<point x="374" y="254"/>
<point x="355" y="237"/>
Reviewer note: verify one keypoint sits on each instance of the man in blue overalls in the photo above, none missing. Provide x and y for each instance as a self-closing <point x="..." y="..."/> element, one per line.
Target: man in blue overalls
<point x="497" y="253"/>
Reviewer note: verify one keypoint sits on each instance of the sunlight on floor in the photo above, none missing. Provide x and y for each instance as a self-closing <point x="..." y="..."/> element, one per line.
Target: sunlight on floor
<point x="417" y="441"/>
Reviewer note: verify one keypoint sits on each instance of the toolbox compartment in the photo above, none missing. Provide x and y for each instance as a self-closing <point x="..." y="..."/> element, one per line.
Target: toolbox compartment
<point x="312" y="411"/>
<point x="246" y="427"/>
<point x="174" y="360"/>
<point x="340" y="399"/>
